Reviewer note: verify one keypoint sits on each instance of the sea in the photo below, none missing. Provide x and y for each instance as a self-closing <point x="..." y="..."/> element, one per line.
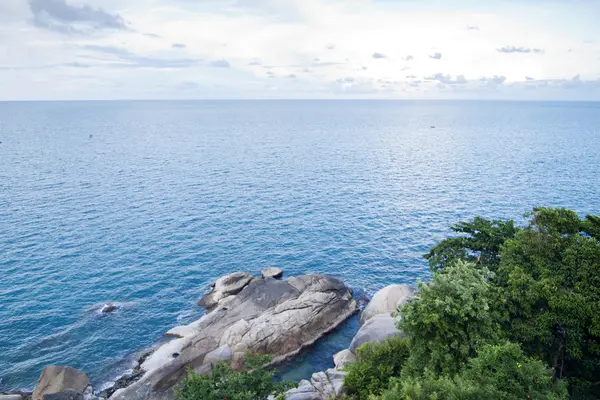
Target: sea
<point x="145" y="203"/>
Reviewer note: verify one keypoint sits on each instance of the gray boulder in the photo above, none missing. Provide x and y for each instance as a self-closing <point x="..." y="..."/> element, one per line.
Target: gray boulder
<point x="343" y="358"/>
<point x="224" y="287"/>
<point x="272" y="272"/>
<point x="326" y="385"/>
<point x="268" y="316"/>
<point x="376" y="330"/>
<point x="54" y="379"/>
<point x="386" y="301"/>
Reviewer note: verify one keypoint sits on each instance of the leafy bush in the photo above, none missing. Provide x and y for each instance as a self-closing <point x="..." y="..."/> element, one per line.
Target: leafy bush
<point x="550" y="277"/>
<point x="376" y="363"/>
<point x="224" y="383"/>
<point x="454" y="315"/>
<point x="499" y="372"/>
<point x="481" y="244"/>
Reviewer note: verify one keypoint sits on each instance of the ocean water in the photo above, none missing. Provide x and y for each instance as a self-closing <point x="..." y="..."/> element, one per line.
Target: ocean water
<point x="146" y="203"/>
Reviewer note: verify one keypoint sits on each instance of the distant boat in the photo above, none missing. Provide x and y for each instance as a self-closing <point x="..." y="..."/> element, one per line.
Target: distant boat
<point x="91" y="136"/>
<point x="432" y="127"/>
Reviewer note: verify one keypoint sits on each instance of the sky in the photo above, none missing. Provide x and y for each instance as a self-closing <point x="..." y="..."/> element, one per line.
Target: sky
<point x="299" y="49"/>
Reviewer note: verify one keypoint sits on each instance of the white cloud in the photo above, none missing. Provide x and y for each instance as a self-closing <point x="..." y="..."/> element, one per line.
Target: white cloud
<point x="168" y="48"/>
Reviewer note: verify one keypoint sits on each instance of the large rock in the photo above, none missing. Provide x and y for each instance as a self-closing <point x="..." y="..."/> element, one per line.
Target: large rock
<point x="268" y="316"/>
<point x="272" y="272"/>
<point x="56" y="379"/>
<point x="343" y="358"/>
<point x="224" y="287"/>
<point x="386" y="301"/>
<point x="376" y="330"/>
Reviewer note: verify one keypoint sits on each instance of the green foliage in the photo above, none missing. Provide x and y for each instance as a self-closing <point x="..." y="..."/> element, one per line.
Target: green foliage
<point x="453" y="315"/>
<point x="480" y="245"/>
<point x="499" y="372"/>
<point x="376" y="363"/>
<point x="256" y="383"/>
<point x="550" y="278"/>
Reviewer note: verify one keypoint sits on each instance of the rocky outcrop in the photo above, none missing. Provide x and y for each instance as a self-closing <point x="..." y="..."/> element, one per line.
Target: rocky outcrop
<point x="386" y="301"/>
<point x="267" y="316"/>
<point x="272" y="272"/>
<point x="55" y="379"/>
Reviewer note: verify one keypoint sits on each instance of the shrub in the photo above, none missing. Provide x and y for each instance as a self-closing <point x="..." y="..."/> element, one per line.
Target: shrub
<point x="451" y="318"/>
<point x="376" y="363"/>
<point x="499" y="372"/>
<point x="224" y="383"/>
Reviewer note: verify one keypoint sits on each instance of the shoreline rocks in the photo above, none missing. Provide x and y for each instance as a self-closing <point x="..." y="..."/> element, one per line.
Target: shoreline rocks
<point x="377" y="324"/>
<point x="246" y="314"/>
<point x="265" y="316"/>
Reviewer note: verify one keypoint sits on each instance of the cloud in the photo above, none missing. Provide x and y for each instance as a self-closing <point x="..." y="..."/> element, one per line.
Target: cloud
<point x="447" y="79"/>
<point x="254" y="63"/>
<point x="472" y="28"/>
<point x="408" y="58"/>
<point x="123" y="58"/>
<point x="220" y="64"/>
<point x="378" y="56"/>
<point x="513" y="49"/>
<point x="436" y="56"/>
<point x="493" y="81"/>
<point x="292" y="76"/>
<point x="178" y="46"/>
<point x="330" y="46"/>
<point x="58" y="16"/>
<point x="528" y="78"/>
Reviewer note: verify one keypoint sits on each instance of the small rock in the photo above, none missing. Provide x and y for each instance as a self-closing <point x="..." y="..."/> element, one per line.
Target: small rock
<point x="225" y="286"/>
<point x="272" y="272"/>
<point x="123" y="382"/>
<point x="10" y="396"/>
<point x="108" y="308"/>
<point x="68" y="394"/>
<point x="223" y="353"/>
<point x="54" y="379"/>
<point x="238" y="361"/>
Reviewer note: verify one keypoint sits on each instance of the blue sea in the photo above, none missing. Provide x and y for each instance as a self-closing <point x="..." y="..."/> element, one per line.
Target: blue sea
<point x="145" y="203"/>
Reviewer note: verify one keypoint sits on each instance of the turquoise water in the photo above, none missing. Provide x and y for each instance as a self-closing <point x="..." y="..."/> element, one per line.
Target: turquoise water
<point x="145" y="203"/>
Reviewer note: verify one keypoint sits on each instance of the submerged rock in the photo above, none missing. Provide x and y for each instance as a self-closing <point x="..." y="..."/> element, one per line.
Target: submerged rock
<point x="54" y="379"/>
<point x="272" y="272"/>
<point x="108" y="308"/>
<point x="268" y="316"/>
